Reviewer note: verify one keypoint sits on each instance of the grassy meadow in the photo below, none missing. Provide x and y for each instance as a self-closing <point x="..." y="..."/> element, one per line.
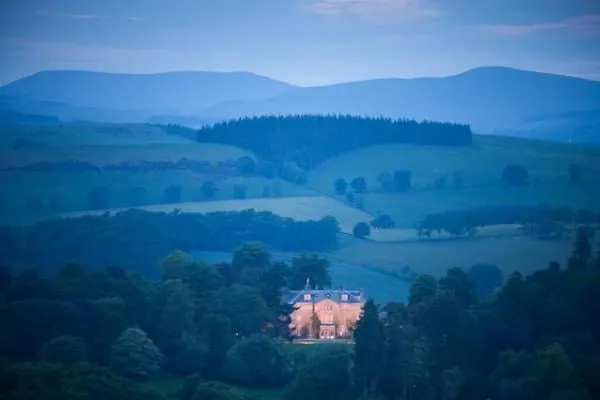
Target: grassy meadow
<point x="69" y="190"/>
<point x="102" y="155"/>
<point x="434" y="257"/>
<point x="482" y="165"/>
<point x="82" y="134"/>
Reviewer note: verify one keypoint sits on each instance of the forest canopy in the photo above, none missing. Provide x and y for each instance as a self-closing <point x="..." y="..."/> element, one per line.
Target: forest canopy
<point x="310" y="139"/>
<point x="139" y="239"/>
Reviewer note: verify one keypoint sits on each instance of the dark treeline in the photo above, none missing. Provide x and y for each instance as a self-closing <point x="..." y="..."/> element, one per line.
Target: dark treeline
<point x="89" y="334"/>
<point x="462" y="221"/>
<point x="139" y="239"/>
<point x="12" y="117"/>
<point x="310" y="139"/>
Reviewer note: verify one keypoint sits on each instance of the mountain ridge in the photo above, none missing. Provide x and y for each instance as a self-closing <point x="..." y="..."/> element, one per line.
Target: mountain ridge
<point x="489" y="98"/>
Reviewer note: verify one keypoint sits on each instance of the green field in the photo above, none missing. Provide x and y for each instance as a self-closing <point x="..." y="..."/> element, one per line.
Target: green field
<point x="482" y="165"/>
<point x="69" y="189"/>
<point x="115" y="154"/>
<point x="82" y="134"/>
<point x="435" y="257"/>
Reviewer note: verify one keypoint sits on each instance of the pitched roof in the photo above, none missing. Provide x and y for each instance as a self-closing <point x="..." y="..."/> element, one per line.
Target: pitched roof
<point x="297" y="296"/>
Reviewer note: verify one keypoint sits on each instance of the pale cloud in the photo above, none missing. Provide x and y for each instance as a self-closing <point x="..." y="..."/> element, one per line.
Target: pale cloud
<point x="586" y="24"/>
<point x="378" y="9"/>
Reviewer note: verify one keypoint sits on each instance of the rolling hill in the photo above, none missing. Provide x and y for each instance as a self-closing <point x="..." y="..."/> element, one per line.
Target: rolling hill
<point x="491" y="99"/>
<point x="487" y="98"/>
<point x="481" y="165"/>
<point x="152" y="94"/>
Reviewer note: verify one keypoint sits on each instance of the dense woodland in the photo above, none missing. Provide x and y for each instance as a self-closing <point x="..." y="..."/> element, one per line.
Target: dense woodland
<point x="310" y="139"/>
<point x="139" y="239"/>
<point x="107" y="333"/>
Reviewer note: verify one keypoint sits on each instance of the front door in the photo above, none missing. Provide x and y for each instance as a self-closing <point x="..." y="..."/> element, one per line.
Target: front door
<point x="328" y="332"/>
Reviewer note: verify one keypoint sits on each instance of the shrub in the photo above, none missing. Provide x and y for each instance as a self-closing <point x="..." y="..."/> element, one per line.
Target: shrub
<point x="340" y="185"/>
<point x="361" y="230"/>
<point x="359" y="184"/>
<point x="246" y="165"/>
<point x="383" y="221"/>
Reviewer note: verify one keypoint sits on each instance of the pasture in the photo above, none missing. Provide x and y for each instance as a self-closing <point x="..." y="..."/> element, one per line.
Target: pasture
<point x="408" y="208"/>
<point x="82" y="134"/>
<point x="102" y="155"/>
<point x="434" y="257"/>
<point x="59" y="192"/>
<point x="482" y="164"/>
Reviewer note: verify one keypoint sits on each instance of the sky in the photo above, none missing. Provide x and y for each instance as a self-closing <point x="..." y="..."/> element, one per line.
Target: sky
<point x="304" y="42"/>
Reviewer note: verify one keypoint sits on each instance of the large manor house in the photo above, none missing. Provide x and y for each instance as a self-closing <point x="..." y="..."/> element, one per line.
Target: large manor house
<point x="324" y="314"/>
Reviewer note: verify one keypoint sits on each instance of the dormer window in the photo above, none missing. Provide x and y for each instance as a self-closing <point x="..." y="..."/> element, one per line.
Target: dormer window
<point x="306" y="296"/>
<point x="344" y="297"/>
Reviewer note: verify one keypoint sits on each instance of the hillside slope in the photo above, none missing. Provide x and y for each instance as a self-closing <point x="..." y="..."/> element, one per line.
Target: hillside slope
<point x="488" y="98"/>
<point x="481" y="166"/>
<point x="171" y="92"/>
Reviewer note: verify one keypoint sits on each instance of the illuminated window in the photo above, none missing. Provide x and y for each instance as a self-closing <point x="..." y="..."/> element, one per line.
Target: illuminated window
<point x="344" y="297"/>
<point x="306" y="296"/>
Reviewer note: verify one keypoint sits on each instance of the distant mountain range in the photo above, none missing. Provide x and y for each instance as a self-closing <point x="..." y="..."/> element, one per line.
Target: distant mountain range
<point x="491" y="99"/>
